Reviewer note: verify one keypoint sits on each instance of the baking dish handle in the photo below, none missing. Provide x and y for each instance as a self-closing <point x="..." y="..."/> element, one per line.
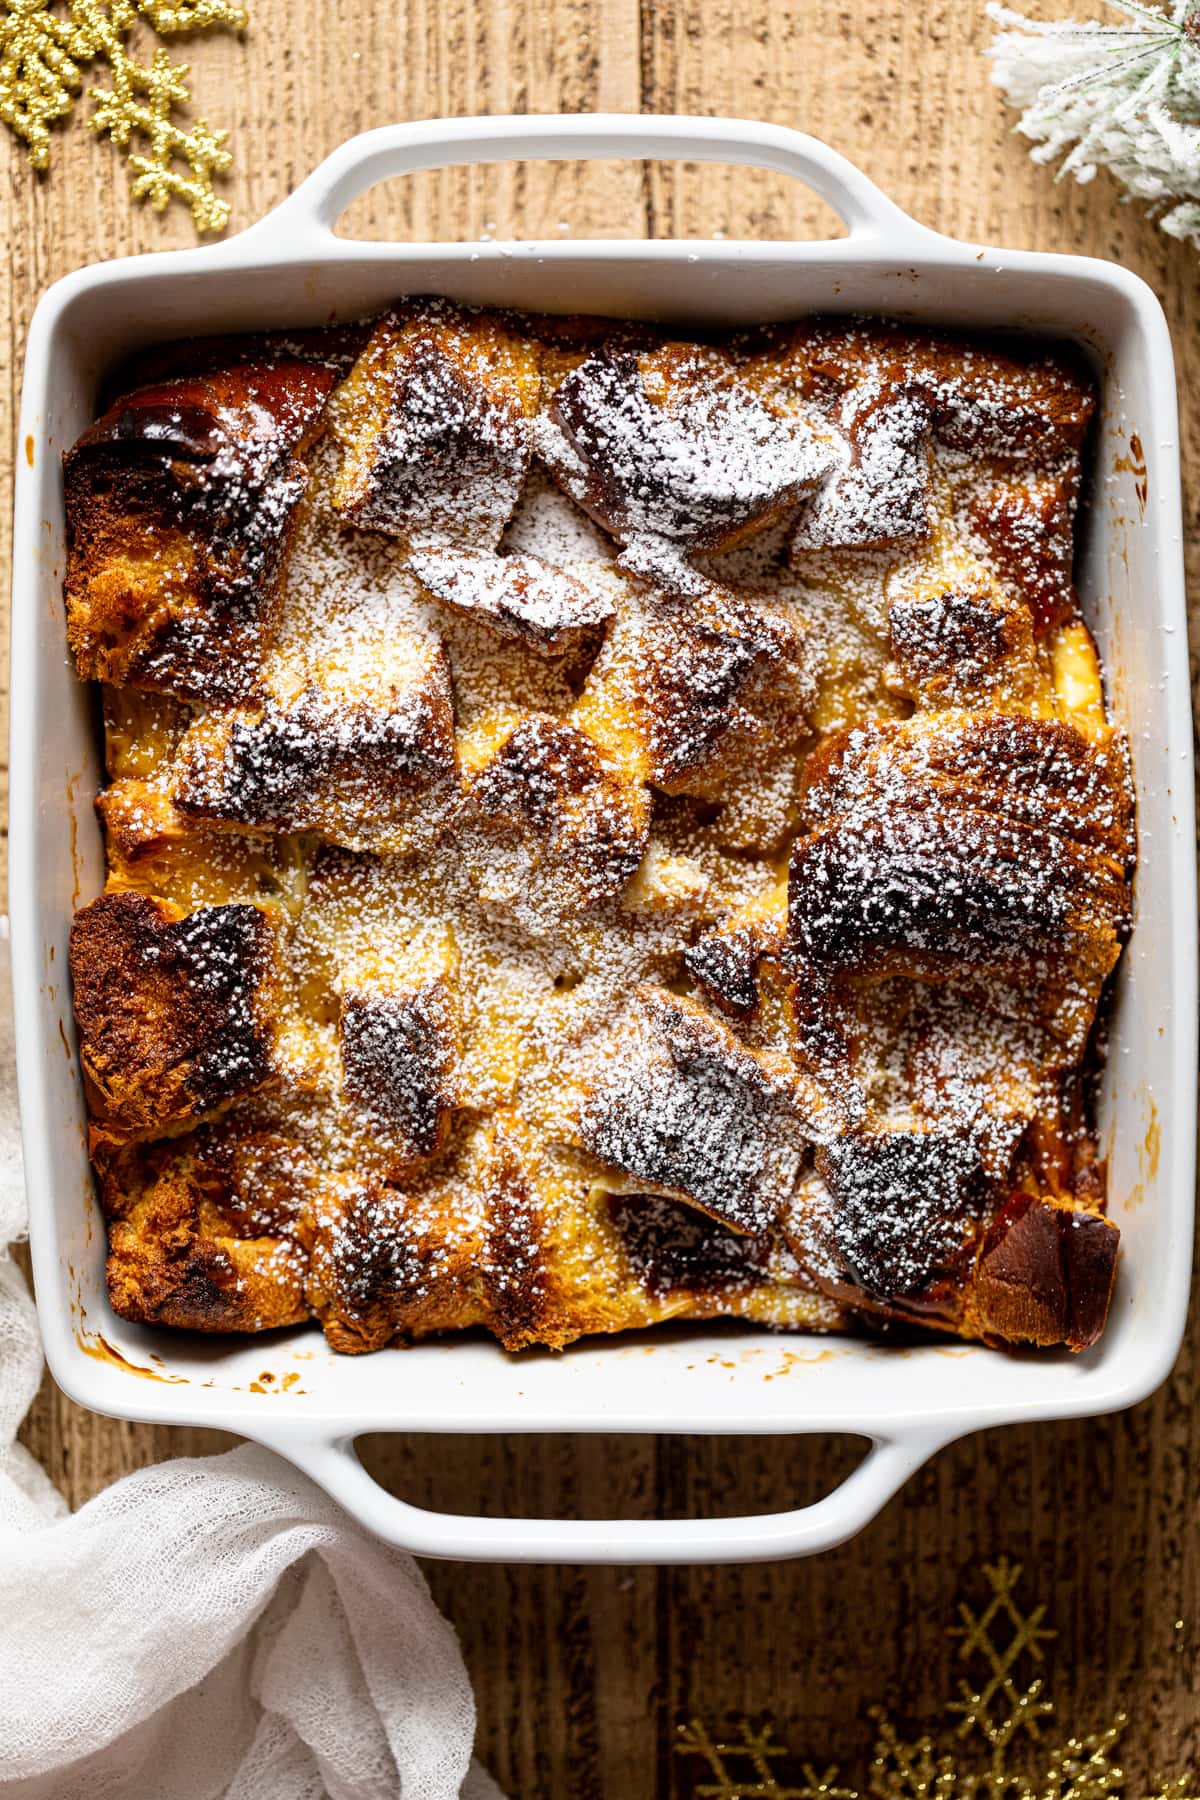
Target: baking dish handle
<point x="308" y="216"/>
<point x="334" y="1465"/>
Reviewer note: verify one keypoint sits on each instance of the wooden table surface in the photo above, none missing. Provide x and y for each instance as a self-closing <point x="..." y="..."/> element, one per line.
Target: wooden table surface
<point x="583" y="1677"/>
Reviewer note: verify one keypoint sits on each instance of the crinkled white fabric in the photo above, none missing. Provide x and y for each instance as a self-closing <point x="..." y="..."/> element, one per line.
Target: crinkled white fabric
<point x="211" y="1629"/>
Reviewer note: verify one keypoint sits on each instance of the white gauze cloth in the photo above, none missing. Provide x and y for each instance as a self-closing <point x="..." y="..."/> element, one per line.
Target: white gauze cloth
<point x="212" y="1629"/>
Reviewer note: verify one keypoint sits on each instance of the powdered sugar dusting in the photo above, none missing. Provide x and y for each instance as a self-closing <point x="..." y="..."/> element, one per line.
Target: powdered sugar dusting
<point x="522" y="596"/>
<point x="687" y="888"/>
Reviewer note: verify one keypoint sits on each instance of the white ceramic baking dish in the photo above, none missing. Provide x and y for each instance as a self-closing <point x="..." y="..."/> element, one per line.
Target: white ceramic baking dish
<point x="290" y="1392"/>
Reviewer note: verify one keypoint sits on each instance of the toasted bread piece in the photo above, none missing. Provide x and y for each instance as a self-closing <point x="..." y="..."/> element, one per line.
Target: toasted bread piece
<point x="673" y="1101"/>
<point x="880" y="493"/>
<point x="894" y="396"/>
<point x="175" y="1012"/>
<point x="917" y="1250"/>
<point x="964" y="1104"/>
<point x="666" y="449"/>
<point x="401" y="1047"/>
<point x="1045" y="1274"/>
<point x="145" y="831"/>
<point x="725" y="961"/>
<point x="1042" y="773"/>
<point x="688" y="692"/>
<point x="725" y="964"/>
<point x="922" y="896"/>
<point x="902" y="1211"/>
<point x="546" y="824"/>
<point x="523" y="597"/>
<point x="201" y="1232"/>
<point x="458" y="1244"/>
<point x="958" y="647"/>
<point x="507" y="1234"/>
<point x="963" y="1058"/>
<point x="366" y="766"/>
<point x="434" y="421"/>
<point x="673" y="1246"/>
<point x="154" y="847"/>
<point x="180" y="502"/>
<point x="1026" y="520"/>
<point x="985" y="399"/>
<point x="955" y="843"/>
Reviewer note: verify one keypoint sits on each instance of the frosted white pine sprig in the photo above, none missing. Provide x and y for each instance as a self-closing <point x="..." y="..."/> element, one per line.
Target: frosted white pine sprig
<point x="1122" y="97"/>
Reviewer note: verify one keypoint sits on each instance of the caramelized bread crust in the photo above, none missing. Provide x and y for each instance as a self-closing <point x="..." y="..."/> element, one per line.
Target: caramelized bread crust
<point x="175" y="1013"/>
<point x="995" y="844"/>
<point x="202" y="1231"/>
<point x="434" y="418"/>
<point x="180" y="501"/>
<point x="602" y="828"/>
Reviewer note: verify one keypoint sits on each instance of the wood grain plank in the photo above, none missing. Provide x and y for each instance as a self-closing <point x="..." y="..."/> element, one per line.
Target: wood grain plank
<point x="583" y="1675"/>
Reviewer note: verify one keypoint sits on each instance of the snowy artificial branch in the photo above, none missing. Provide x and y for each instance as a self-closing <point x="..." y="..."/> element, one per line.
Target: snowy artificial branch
<point x="1122" y="97"/>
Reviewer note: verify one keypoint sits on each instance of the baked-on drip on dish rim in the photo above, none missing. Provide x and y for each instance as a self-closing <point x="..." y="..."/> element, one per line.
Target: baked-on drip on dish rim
<point x="602" y="829"/>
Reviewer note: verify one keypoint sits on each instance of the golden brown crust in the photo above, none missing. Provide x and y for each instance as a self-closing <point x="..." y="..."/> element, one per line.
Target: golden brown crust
<point x="880" y="496"/>
<point x="179" y="505"/>
<point x="680" y="884"/>
<point x="967" y="842"/>
<point x="425" y="1255"/>
<point x="524" y="597"/>
<point x="986" y="399"/>
<point x="174" y="1013"/>
<point x="545" y="819"/>
<point x="903" y="1205"/>
<point x="956" y="645"/>
<point x="671" y="454"/>
<point x="688" y="690"/>
<point x="202" y="1237"/>
<point x="1045" y="1275"/>
<point x="676" y="1104"/>
<point x="1025" y="518"/>
<point x="434" y="421"/>
<point x="373" y="768"/>
<point x="400" y="1049"/>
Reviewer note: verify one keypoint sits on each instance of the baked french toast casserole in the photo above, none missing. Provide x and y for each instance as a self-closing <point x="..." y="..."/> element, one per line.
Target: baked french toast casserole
<point x="602" y="828"/>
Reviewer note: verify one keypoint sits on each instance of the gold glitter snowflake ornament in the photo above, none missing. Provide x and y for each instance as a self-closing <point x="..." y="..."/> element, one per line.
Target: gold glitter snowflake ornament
<point x="995" y="1752"/>
<point x="44" y="49"/>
